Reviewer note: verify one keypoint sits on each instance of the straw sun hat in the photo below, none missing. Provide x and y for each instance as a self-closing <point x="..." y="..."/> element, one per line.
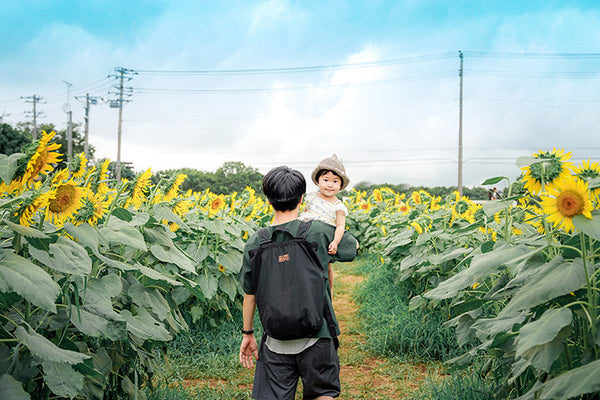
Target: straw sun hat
<point x="332" y="164"/>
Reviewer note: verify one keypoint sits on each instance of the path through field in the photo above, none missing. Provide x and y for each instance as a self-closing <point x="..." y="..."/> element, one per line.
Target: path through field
<point x="363" y="375"/>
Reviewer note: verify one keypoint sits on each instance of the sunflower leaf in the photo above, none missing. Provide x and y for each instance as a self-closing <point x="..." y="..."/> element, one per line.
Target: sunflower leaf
<point x="10" y="388"/>
<point x="17" y="274"/>
<point x="590" y="227"/>
<point x="8" y="166"/>
<point x="493" y="181"/>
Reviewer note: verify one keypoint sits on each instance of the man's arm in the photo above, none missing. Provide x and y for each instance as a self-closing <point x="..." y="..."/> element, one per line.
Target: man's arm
<point x="249" y="347"/>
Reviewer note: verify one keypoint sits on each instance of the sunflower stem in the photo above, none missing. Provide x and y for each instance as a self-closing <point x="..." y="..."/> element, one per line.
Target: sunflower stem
<point x="592" y="298"/>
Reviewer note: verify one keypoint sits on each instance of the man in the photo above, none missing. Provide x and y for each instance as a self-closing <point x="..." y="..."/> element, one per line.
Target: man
<point x="280" y="363"/>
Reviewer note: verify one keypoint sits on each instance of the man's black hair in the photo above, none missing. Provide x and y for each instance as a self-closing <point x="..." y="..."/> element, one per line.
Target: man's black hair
<point x="284" y="187"/>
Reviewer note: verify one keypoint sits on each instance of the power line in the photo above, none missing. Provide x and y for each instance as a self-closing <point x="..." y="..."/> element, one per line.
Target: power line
<point x="314" y="68"/>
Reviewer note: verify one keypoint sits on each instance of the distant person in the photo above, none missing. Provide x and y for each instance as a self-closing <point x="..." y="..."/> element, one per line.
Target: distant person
<point x="491" y="194"/>
<point x="281" y="363"/>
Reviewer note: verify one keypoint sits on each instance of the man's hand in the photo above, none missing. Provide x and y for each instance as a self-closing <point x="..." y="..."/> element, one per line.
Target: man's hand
<point x="248" y="348"/>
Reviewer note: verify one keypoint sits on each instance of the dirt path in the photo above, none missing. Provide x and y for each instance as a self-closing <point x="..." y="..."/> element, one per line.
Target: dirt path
<point x="362" y="375"/>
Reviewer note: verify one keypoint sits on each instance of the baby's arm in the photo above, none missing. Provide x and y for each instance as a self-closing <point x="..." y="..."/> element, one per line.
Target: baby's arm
<point x="340" y="226"/>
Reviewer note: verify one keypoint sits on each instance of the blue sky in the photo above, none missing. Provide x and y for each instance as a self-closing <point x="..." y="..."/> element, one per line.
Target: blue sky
<point x="394" y="122"/>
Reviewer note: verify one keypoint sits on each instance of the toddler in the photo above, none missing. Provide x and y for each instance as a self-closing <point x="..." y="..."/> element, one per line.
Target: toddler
<point x="323" y="205"/>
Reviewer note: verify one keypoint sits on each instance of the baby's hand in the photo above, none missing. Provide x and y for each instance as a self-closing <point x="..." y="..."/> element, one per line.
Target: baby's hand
<point x="332" y="249"/>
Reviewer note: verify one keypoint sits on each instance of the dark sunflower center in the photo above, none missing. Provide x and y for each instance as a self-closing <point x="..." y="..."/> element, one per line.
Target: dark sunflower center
<point x="65" y="196"/>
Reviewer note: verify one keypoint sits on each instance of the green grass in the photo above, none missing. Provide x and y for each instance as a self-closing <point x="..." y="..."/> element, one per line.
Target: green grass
<point x="459" y="386"/>
<point x="392" y="330"/>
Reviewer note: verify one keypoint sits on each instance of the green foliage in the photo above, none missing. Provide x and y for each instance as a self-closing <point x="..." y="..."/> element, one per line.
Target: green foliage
<point x="459" y="386"/>
<point x="527" y="301"/>
<point x="12" y="140"/>
<point x="232" y="176"/>
<point x="393" y="329"/>
<point x="474" y="193"/>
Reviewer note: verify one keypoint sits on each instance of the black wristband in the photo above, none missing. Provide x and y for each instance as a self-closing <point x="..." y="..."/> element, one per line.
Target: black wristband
<point x="250" y="332"/>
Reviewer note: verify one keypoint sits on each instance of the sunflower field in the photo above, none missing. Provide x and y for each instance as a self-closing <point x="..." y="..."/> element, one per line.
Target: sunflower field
<point x="98" y="276"/>
<point x="517" y="278"/>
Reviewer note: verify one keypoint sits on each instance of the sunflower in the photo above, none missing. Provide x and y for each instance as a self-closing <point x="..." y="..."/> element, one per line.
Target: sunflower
<point x="216" y="204"/>
<point x="66" y="200"/>
<point x="403" y="208"/>
<point x="434" y="204"/>
<point x="140" y="187"/>
<point x="416" y="197"/>
<point x="377" y="195"/>
<point x="31" y="206"/>
<point x="94" y="207"/>
<point x="42" y="159"/>
<point x="365" y="206"/>
<point x="463" y="208"/>
<point x="417" y="227"/>
<point x="586" y="172"/>
<point x="551" y="168"/>
<point x="172" y="188"/>
<point x="78" y="165"/>
<point x="568" y="199"/>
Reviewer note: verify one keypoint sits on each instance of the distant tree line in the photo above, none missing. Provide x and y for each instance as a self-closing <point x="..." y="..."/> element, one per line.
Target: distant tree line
<point x="232" y="176"/>
<point x="474" y="193"/>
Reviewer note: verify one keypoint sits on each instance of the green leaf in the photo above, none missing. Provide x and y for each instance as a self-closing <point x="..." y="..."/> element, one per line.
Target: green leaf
<point x="45" y="349"/>
<point x="162" y="212"/>
<point x="493" y="181"/>
<point x="490" y="208"/>
<point x="145" y="327"/>
<point x="12" y="389"/>
<point x="96" y="325"/>
<point x="216" y="226"/>
<point x="62" y="379"/>
<point x="544" y="329"/>
<point x="26" y="230"/>
<point x="527" y="160"/>
<point x="208" y="285"/>
<point x="159" y="234"/>
<point x="173" y="255"/>
<point x="85" y="233"/>
<point x="543" y="356"/>
<point x="590" y="227"/>
<point x="153" y="274"/>
<point x="229" y="285"/>
<point x="122" y="214"/>
<point x="65" y="256"/>
<point x="481" y="265"/>
<point x="463" y="324"/>
<point x="125" y="235"/>
<point x="564" y="278"/>
<point x="149" y="299"/>
<point x="9" y="165"/>
<point x="231" y="260"/>
<point x="489" y="327"/>
<point x="31" y="282"/>
<point x="97" y="299"/>
<point x="576" y="382"/>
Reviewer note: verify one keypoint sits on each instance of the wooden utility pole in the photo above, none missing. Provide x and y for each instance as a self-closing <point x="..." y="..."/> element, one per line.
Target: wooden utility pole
<point x="460" y="139"/>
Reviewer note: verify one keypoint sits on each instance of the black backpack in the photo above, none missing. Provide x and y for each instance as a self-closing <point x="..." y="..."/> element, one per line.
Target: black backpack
<point x="290" y="285"/>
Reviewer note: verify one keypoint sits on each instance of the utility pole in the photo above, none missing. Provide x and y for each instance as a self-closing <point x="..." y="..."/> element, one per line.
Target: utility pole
<point x="69" y="112"/>
<point x="460" y="117"/>
<point x="34" y="99"/>
<point x="121" y="74"/>
<point x="88" y="101"/>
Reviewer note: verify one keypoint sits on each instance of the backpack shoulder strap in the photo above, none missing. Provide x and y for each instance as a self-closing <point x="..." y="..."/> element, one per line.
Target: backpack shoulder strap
<point x="263" y="235"/>
<point x="303" y="229"/>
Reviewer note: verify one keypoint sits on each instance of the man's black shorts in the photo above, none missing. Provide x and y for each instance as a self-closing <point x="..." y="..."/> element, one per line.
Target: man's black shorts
<point x="276" y="375"/>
